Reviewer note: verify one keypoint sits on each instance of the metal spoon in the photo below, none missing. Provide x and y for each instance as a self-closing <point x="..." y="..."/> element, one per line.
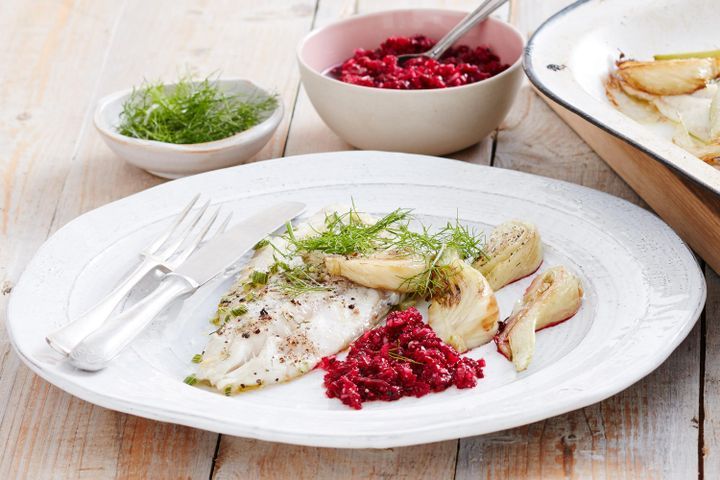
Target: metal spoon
<point x="473" y="18"/>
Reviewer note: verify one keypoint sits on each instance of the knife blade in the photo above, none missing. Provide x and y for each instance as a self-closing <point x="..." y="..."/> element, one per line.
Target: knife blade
<point x="222" y="251"/>
<point x="214" y="256"/>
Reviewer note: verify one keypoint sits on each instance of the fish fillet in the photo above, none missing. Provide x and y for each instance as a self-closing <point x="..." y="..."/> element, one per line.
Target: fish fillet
<point x="279" y="336"/>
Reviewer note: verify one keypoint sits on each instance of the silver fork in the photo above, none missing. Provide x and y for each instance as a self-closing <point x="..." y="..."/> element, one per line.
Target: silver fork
<point x="167" y="252"/>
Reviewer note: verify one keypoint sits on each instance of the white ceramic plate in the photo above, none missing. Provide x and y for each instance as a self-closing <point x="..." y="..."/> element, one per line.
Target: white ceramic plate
<point x="643" y="287"/>
<point x="571" y="54"/>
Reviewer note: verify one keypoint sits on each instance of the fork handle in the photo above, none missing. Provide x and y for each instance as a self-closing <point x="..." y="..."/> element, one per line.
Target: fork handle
<point x="67" y="337"/>
<point x="105" y="343"/>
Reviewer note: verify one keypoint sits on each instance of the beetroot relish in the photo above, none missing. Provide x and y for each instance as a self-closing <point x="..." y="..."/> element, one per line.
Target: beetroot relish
<point x="379" y="68"/>
<point x="403" y="358"/>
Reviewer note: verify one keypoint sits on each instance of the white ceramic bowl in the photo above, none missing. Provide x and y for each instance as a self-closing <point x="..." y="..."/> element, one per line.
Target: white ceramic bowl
<point x="171" y="160"/>
<point x="432" y="122"/>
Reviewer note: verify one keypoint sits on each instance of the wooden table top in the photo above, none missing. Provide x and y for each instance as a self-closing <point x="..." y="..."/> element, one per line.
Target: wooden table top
<point x="60" y="56"/>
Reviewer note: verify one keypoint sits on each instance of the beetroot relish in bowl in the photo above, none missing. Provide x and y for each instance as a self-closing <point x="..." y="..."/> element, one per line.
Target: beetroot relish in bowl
<point x="379" y="68"/>
<point x="402" y="358"/>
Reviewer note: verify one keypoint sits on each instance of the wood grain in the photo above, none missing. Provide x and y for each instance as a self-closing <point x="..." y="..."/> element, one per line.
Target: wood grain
<point x="255" y="459"/>
<point x="647" y="431"/>
<point x="710" y="406"/>
<point x="532" y="139"/>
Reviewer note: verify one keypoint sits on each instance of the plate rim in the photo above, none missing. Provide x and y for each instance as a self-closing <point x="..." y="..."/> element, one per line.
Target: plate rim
<point x="349" y="441"/>
<point x="532" y="73"/>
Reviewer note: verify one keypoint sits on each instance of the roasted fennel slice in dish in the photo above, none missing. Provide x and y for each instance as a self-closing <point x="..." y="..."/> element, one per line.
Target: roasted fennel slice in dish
<point x="283" y="314"/>
<point x="553" y="297"/>
<point x="678" y="90"/>
<point x="669" y="77"/>
<point x="466" y="314"/>
<point x="514" y="251"/>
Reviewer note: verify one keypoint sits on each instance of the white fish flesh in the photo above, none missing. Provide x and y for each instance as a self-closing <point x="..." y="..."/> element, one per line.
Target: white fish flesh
<point x="271" y="336"/>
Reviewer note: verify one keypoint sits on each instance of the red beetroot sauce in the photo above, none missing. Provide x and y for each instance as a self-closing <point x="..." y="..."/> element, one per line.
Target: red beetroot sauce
<point x="403" y="358"/>
<point x="379" y="68"/>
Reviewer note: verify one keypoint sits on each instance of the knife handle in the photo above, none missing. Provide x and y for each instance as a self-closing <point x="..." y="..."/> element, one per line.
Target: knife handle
<point x="70" y="335"/>
<point x="105" y="343"/>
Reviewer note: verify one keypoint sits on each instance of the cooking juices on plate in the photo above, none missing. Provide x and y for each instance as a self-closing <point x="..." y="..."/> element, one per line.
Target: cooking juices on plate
<point x="325" y="284"/>
<point x="379" y="68"/>
<point x="680" y="90"/>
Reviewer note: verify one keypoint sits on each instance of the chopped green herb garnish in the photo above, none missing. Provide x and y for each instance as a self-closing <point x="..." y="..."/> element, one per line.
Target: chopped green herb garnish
<point x="346" y="234"/>
<point x="197" y="358"/>
<point x="258" y="278"/>
<point x="301" y="279"/>
<point x="240" y="310"/>
<point x="190" y="379"/>
<point x="228" y="390"/>
<point x="261" y="244"/>
<point x="463" y="240"/>
<point x="190" y="112"/>
<point x="434" y="281"/>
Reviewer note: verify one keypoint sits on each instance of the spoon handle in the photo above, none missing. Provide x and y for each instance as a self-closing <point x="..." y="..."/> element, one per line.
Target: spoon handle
<point x="473" y="18"/>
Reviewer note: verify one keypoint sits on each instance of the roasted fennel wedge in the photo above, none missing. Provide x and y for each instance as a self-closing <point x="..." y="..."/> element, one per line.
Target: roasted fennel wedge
<point x="679" y="90"/>
<point x="386" y="271"/>
<point x="553" y="297"/>
<point x="463" y="310"/>
<point x="466" y="314"/>
<point x="669" y="77"/>
<point x="514" y="251"/>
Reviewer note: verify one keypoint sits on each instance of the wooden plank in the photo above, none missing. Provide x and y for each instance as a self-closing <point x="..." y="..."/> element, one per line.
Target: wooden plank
<point x="254" y="459"/>
<point x="647" y="431"/>
<point x="308" y="133"/>
<point x="236" y="38"/>
<point x="710" y="407"/>
<point x="532" y="139"/>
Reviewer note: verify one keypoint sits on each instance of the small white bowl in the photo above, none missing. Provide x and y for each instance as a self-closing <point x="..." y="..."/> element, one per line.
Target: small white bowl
<point x="170" y="160"/>
<point x="432" y="122"/>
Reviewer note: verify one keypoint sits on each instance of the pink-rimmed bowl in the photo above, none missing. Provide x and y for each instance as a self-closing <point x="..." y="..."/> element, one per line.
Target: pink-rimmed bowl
<point x="433" y="122"/>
